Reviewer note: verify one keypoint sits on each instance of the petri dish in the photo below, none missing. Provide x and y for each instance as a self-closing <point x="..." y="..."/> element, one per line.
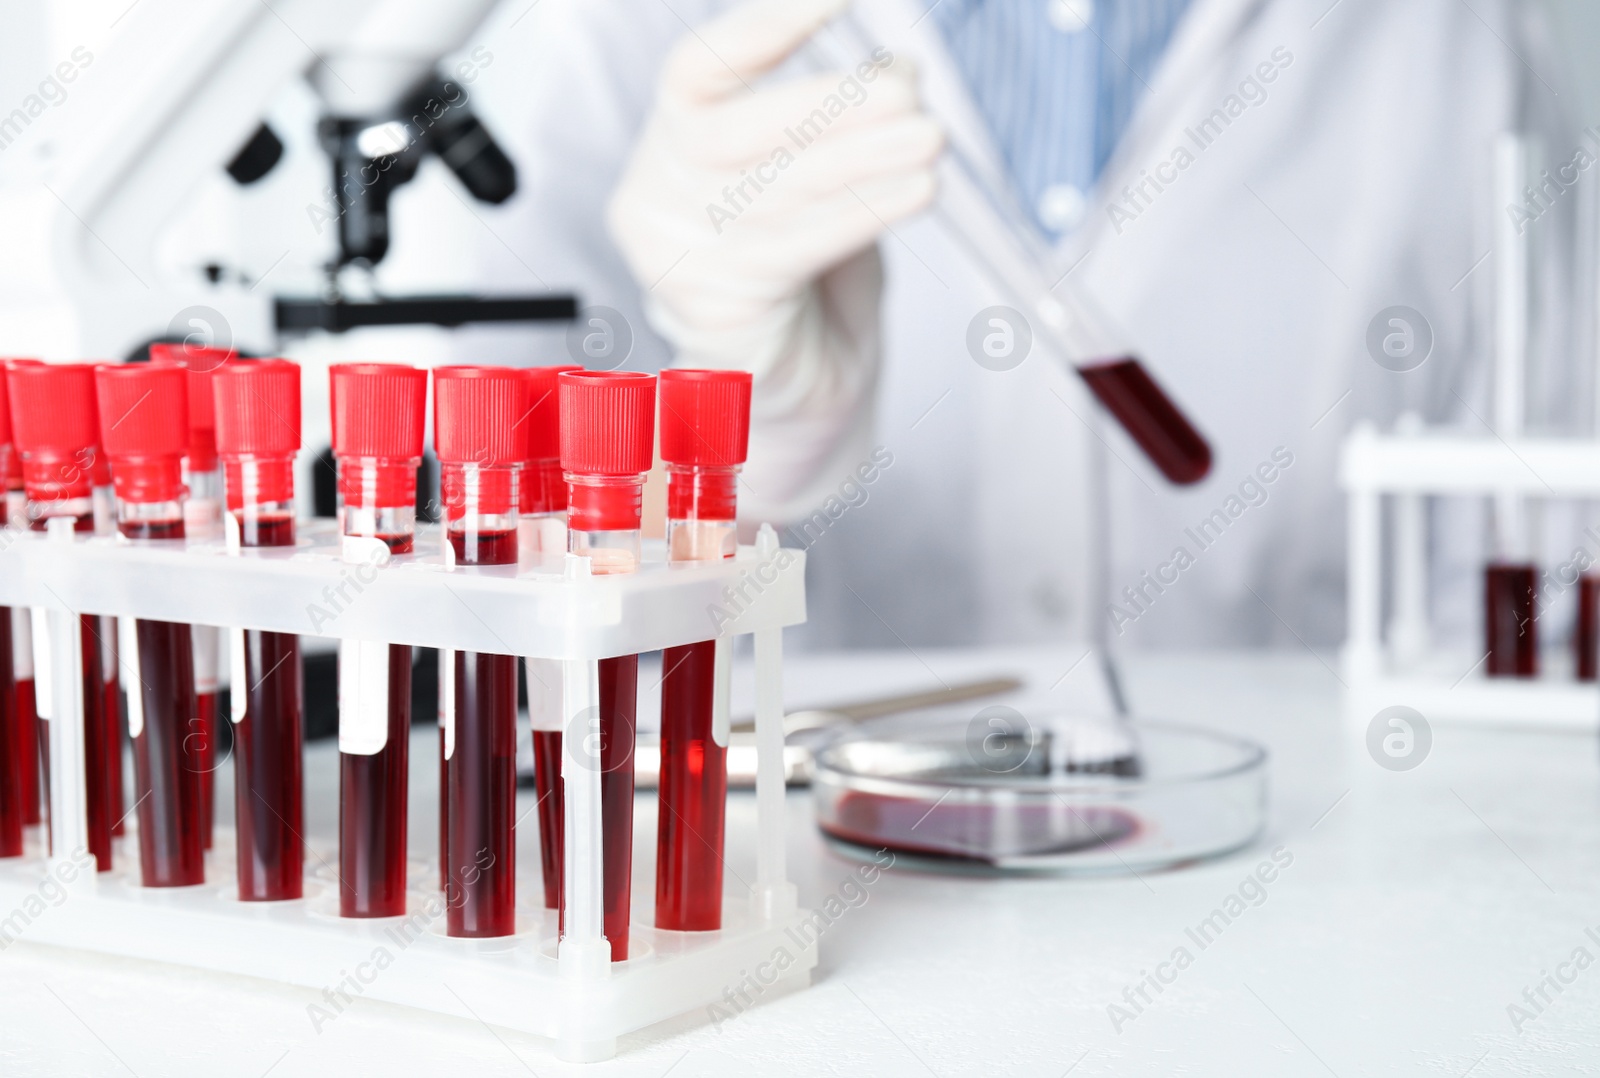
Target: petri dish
<point x="944" y="794"/>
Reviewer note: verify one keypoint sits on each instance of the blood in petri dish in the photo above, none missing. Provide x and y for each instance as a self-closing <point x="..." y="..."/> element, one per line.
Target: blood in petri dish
<point x="14" y="757"/>
<point x="983" y="832"/>
<point x="268" y="799"/>
<point x="551" y="791"/>
<point x="202" y="745"/>
<point x="1586" y="635"/>
<point x="619" y="698"/>
<point x="1509" y="622"/>
<point x="481" y="777"/>
<point x="693" y="794"/>
<point x="171" y="850"/>
<point x="372" y="810"/>
<point x="481" y="774"/>
<point x="1150" y="417"/>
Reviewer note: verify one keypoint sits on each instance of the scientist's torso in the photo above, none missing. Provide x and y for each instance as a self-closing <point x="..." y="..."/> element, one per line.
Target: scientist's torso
<point x="1292" y="172"/>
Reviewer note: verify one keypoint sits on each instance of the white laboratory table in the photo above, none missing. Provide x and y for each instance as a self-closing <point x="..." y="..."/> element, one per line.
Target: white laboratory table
<point x="1418" y="907"/>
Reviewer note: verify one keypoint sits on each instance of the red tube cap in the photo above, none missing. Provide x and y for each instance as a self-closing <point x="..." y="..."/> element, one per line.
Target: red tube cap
<point x="477" y="415"/>
<point x="55" y="427"/>
<point x="607" y="422"/>
<point x="257" y="408"/>
<point x="378" y="410"/>
<point x="144" y="427"/>
<point x="542" y="427"/>
<point x="201" y="362"/>
<point x="705" y="417"/>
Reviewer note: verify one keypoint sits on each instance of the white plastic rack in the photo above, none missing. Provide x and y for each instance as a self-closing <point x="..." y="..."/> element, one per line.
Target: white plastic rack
<point x="1401" y="470"/>
<point x="567" y="988"/>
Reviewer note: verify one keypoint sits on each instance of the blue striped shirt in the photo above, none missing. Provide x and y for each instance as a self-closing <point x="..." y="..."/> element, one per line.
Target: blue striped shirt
<point x="1057" y="92"/>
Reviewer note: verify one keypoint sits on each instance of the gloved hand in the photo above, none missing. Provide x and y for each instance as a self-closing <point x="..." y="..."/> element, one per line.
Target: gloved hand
<point x="749" y="214"/>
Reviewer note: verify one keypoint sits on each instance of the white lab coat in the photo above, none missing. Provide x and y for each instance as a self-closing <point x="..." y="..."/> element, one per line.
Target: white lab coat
<point x="1357" y="182"/>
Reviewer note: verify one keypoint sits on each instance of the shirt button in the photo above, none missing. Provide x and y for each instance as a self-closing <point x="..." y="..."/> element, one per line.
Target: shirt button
<point x="1061" y="207"/>
<point x="1070" y="16"/>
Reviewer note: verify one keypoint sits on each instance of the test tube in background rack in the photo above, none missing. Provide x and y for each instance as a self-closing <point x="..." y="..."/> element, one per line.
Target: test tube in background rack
<point x="475" y="412"/>
<point x="144" y="431"/>
<point x="1511" y="578"/>
<point x="30" y="744"/>
<point x="202" y="520"/>
<point x="378" y="415"/>
<point x="542" y="493"/>
<point x="257" y="407"/>
<point x="18" y="751"/>
<point x="607" y="446"/>
<point x="705" y="437"/>
<point x="55" y="427"/>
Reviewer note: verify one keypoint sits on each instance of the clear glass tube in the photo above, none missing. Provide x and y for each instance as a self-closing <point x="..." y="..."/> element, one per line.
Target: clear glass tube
<point x="268" y="769"/>
<point x="481" y="737"/>
<point x="378" y="501"/>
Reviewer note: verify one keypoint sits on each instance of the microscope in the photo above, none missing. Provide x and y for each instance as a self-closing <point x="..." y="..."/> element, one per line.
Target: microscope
<point x="180" y="94"/>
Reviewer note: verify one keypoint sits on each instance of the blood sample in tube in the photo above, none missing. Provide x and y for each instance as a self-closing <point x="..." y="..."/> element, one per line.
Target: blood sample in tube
<point x="258" y="432"/>
<point x="705" y="435"/>
<point x="1509" y="623"/>
<point x="18" y="753"/>
<point x="105" y="523"/>
<point x="542" y="497"/>
<point x="202" y="517"/>
<point x="1150" y="417"/>
<point x="1586" y="635"/>
<point x="56" y="429"/>
<point x="144" y="428"/>
<point x="378" y="412"/>
<point x="607" y="446"/>
<point x="476" y="412"/>
<point x="21" y="630"/>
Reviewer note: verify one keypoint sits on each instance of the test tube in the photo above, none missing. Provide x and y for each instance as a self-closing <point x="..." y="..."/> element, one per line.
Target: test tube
<point x="1510" y="585"/>
<point x="56" y="429"/>
<point x="105" y="523"/>
<point x="378" y="415"/>
<point x="258" y="432"/>
<point x="705" y="437"/>
<point x="18" y="753"/>
<point x="29" y="745"/>
<point x="542" y="494"/>
<point x="1586" y="637"/>
<point x="202" y="519"/>
<point x="475" y="411"/>
<point x="607" y="445"/>
<point x="144" y="429"/>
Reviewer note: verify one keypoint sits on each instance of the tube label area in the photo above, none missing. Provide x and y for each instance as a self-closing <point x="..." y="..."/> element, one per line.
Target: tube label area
<point x="44" y="686"/>
<point x="239" y="692"/>
<point x="544" y="694"/>
<point x="21" y="643"/>
<point x="132" y="682"/>
<point x="206" y="644"/>
<point x="363" y="697"/>
<point x="447" y="696"/>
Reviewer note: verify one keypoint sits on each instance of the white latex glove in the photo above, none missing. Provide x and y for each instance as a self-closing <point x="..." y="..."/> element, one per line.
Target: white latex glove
<point x="749" y="214"/>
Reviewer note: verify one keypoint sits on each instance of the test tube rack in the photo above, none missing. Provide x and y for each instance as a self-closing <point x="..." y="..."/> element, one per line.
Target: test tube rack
<point x="566" y="989"/>
<point x="1399" y="471"/>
